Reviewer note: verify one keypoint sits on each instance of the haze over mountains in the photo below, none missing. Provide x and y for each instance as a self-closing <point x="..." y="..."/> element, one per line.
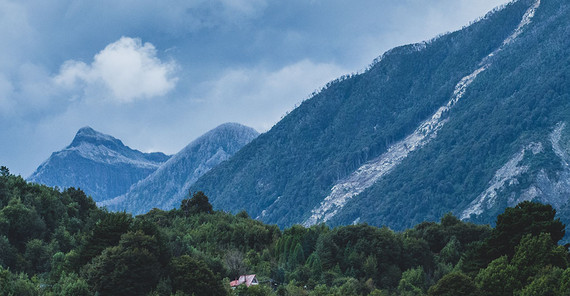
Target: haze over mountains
<point x="106" y="169"/>
<point x="169" y="184"/>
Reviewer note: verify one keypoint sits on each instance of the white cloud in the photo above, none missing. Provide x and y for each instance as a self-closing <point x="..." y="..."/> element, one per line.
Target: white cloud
<point x="127" y="69"/>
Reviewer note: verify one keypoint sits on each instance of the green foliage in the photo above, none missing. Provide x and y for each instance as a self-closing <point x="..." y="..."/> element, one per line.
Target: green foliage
<point x="351" y="287"/>
<point x="297" y="257"/>
<point x="499" y="278"/>
<point x="235" y="262"/>
<point x="7" y="253"/>
<point x="535" y="252"/>
<point x="547" y="283"/>
<point x="413" y="282"/>
<point x="454" y="284"/>
<point x="131" y="268"/>
<point x="192" y="276"/>
<point x="21" y="285"/>
<point x="254" y="290"/>
<point x="20" y="223"/>
<point x="38" y="256"/>
<point x="106" y="233"/>
<point x="565" y="283"/>
<point x="525" y="218"/>
<point x="197" y="204"/>
<point x="451" y="253"/>
<point x="350" y="246"/>
<point x="81" y="205"/>
<point x="71" y="284"/>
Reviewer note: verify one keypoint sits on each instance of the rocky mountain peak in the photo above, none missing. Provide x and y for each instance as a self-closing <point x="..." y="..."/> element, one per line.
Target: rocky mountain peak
<point x="89" y="135"/>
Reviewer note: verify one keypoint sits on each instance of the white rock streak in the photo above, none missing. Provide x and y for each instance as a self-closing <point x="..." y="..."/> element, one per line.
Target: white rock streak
<point x="511" y="170"/>
<point x="507" y="174"/>
<point x="558" y="150"/>
<point x="527" y="17"/>
<point x="373" y="170"/>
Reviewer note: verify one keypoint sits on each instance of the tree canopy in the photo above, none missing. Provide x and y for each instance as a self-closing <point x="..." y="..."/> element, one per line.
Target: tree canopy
<point x="59" y="243"/>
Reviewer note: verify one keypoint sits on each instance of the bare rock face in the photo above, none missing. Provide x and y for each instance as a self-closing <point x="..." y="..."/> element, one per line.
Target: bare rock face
<point x="553" y="189"/>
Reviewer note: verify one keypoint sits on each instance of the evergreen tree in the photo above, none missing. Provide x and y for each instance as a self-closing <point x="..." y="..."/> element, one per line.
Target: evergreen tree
<point x="197" y="204"/>
<point x="454" y="284"/>
<point x="525" y="218"/>
<point x="193" y="277"/>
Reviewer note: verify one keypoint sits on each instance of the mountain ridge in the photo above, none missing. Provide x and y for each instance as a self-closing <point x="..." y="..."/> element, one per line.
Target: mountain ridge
<point x="98" y="163"/>
<point x="518" y="101"/>
<point x="169" y="184"/>
<point x="366" y="175"/>
<point x="107" y="170"/>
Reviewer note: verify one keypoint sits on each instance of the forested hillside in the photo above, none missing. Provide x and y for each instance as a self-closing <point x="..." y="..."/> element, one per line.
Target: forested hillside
<point x="60" y="243"/>
<point x="470" y="122"/>
<point x="521" y="102"/>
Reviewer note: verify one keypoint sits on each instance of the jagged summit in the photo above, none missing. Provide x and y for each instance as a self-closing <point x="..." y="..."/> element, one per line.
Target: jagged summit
<point x="86" y="130"/>
<point x="89" y="135"/>
<point x="105" y="168"/>
<point x="89" y="132"/>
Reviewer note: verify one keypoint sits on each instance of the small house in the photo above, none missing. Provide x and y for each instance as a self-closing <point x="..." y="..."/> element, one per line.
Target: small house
<point x="248" y="280"/>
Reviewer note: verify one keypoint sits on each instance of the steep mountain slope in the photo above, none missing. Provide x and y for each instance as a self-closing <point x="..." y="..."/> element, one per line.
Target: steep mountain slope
<point x="429" y="128"/>
<point x="504" y="143"/>
<point x="168" y="185"/>
<point x="99" y="164"/>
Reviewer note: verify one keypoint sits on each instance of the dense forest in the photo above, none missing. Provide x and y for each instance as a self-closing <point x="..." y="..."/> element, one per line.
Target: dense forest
<point x="55" y="242"/>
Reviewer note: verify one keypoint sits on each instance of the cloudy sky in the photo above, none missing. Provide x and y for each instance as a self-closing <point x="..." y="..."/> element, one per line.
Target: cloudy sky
<point x="157" y="74"/>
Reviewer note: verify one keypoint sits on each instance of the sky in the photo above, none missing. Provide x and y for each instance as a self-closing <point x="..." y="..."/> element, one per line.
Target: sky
<point x="158" y="74"/>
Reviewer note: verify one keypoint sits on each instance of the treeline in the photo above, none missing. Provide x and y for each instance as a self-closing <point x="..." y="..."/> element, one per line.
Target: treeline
<point x="56" y="242"/>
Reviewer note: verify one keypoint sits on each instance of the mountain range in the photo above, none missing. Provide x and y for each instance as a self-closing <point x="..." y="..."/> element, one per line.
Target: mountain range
<point x="470" y="122"/>
<point x="125" y="179"/>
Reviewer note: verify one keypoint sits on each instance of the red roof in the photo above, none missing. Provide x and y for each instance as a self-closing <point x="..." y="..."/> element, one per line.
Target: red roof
<point x="249" y="280"/>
